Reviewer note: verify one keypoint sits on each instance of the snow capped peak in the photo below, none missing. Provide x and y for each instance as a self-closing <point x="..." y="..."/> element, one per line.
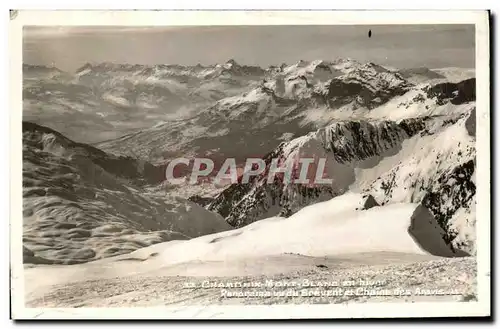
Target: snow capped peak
<point x="85" y="67"/>
<point x="302" y="63"/>
<point x="376" y="67"/>
<point x="319" y="62"/>
<point x="231" y="62"/>
<point x="255" y="95"/>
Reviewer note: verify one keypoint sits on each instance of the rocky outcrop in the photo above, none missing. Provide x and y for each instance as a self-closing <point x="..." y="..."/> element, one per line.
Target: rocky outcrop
<point x="367" y="86"/>
<point x="357" y="140"/>
<point x="420" y="74"/>
<point x="452" y="190"/>
<point x="455" y="93"/>
<point x="439" y="173"/>
<point x="424" y="165"/>
<point x="341" y="143"/>
<point x="202" y="201"/>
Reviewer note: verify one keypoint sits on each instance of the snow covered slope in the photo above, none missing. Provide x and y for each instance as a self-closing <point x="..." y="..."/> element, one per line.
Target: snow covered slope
<point x="335" y="227"/>
<point x="82" y="204"/>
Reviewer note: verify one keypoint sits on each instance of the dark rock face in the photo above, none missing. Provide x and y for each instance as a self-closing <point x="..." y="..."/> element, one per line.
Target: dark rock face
<point x="455" y="93"/>
<point x="227" y="200"/>
<point x="369" y="202"/>
<point x="275" y="199"/>
<point x="420" y="71"/>
<point x="470" y="124"/>
<point x="357" y="140"/>
<point x="442" y="179"/>
<point x="202" y="201"/>
<point x="423" y="224"/>
<point x="413" y="125"/>
<point x="27" y="252"/>
<point x="452" y="191"/>
<point x="364" y="89"/>
<point x="346" y="141"/>
<point x="341" y="93"/>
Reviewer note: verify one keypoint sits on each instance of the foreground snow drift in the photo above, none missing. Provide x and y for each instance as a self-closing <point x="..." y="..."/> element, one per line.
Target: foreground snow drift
<point x="345" y="232"/>
<point x="451" y="279"/>
<point x="339" y="226"/>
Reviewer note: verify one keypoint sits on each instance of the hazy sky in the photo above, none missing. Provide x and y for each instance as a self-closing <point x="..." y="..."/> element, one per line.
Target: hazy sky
<point x="396" y="45"/>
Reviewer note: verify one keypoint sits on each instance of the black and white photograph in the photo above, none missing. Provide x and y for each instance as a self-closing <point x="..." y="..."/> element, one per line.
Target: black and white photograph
<point x="222" y="163"/>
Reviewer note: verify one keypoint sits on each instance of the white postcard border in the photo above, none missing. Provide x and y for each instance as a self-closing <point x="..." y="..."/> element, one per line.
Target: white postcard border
<point x="186" y="18"/>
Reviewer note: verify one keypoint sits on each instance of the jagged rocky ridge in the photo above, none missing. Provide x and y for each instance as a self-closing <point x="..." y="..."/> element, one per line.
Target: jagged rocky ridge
<point x="369" y="86"/>
<point x="343" y="142"/>
<point x="455" y="93"/>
